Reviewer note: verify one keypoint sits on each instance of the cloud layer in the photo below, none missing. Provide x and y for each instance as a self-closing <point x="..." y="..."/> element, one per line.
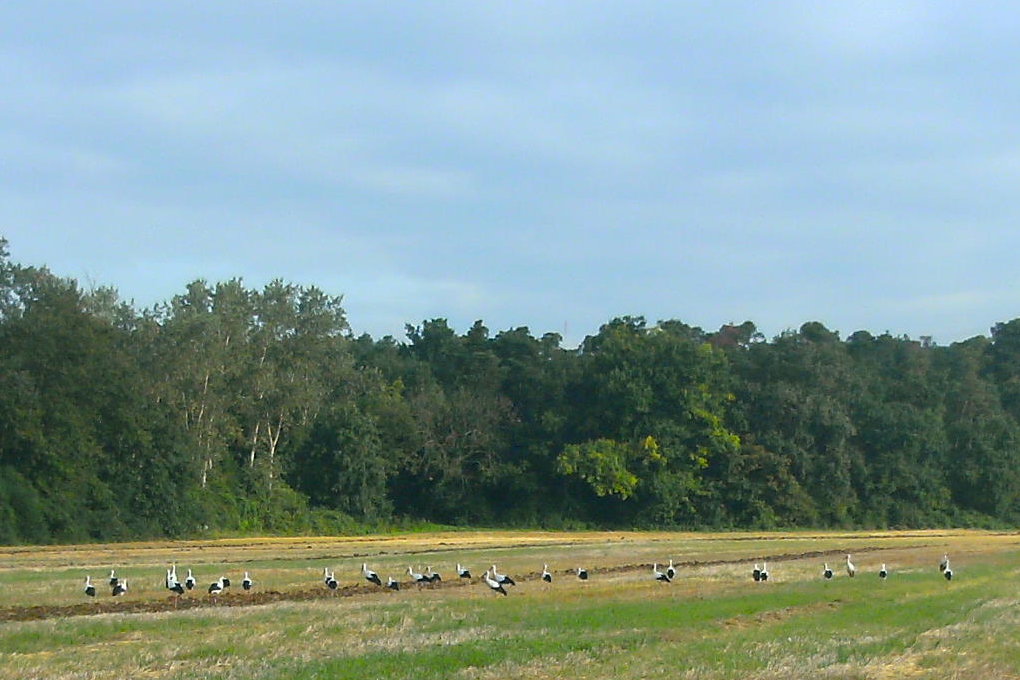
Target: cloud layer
<point x="849" y="162"/>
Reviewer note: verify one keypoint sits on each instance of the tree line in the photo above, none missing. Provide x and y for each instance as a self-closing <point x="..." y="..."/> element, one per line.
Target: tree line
<point x="232" y="409"/>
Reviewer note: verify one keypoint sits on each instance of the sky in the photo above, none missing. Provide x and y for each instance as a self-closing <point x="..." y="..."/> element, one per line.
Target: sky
<point x="543" y="164"/>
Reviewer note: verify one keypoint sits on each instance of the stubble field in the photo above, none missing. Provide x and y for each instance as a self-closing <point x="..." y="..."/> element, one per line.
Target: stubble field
<point x="713" y="621"/>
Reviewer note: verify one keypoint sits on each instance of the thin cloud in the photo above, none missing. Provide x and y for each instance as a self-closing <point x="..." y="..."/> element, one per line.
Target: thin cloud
<point x="526" y="163"/>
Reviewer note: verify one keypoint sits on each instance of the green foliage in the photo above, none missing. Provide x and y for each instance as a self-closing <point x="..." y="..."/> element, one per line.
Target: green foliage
<point x="342" y="464"/>
<point x="22" y="517"/>
<point x="603" y="464"/>
<point x="237" y="409"/>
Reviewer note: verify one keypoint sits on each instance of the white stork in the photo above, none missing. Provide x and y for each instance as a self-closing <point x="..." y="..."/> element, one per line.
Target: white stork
<point x="826" y="572"/>
<point x="431" y="575"/>
<point x="392" y="583"/>
<point x="90" y="589"/>
<point x="764" y="575"/>
<point x="113" y="579"/>
<point x="177" y="589"/>
<point x="943" y="565"/>
<point x="851" y="570"/>
<point x="119" y="588"/>
<point x="948" y="571"/>
<point x="883" y="573"/>
<point x="190" y="582"/>
<point x="171" y="576"/>
<point x="671" y="571"/>
<point x="659" y="576"/>
<point x="216" y="587"/>
<point x="370" y="575"/>
<point x="582" y="574"/>
<point x="756" y="574"/>
<point x="494" y="584"/>
<point x="502" y="579"/>
<point x="418" y="577"/>
<point x="546" y="576"/>
<point x="246" y="582"/>
<point x="462" y="571"/>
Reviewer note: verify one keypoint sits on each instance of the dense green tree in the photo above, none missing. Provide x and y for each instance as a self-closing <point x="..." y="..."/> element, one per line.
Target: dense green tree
<point x="667" y="383"/>
<point x="78" y="427"/>
<point x="230" y="408"/>
<point x="342" y="464"/>
<point x="1003" y="365"/>
<point x="983" y="469"/>
<point x="797" y="397"/>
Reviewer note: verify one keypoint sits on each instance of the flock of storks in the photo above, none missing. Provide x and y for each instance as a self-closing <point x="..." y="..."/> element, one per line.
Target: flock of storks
<point x="492" y="578"/>
<point x="119" y="586"/>
<point x="761" y="573"/>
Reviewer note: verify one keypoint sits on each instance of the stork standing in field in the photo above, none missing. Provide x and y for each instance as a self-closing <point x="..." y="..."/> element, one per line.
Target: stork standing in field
<point x="851" y="570"/>
<point x="246" y="582"/>
<point x="431" y="575"/>
<point x="671" y="571"/>
<point x="462" y="571"/>
<point x="329" y="579"/>
<point x="119" y="588"/>
<point x="370" y="575"/>
<point x="190" y="582"/>
<point x="177" y="589"/>
<point x="943" y="565"/>
<point x="826" y="572"/>
<point x="502" y="579"/>
<point x="418" y="578"/>
<point x="582" y="574"/>
<point x="494" y="584"/>
<point x="216" y="587"/>
<point x="948" y="571"/>
<point x="90" y="589"/>
<point x="392" y="583"/>
<point x="113" y="579"/>
<point x="764" y="575"/>
<point x="546" y="576"/>
<point x="883" y="573"/>
<point x="171" y="576"/>
<point x="756" y="574"/>
<point x="659" y="576"/>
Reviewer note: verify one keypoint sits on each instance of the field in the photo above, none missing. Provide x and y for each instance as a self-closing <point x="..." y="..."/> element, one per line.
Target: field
<point x="713" y="621"/>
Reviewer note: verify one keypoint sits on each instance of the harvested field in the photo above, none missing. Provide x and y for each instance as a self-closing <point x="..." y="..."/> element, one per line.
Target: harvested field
<point x="711" y="622"/>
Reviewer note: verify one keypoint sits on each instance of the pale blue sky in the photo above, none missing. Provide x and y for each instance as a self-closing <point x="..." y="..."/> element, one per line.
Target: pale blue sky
<point x="544" y="164"/>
